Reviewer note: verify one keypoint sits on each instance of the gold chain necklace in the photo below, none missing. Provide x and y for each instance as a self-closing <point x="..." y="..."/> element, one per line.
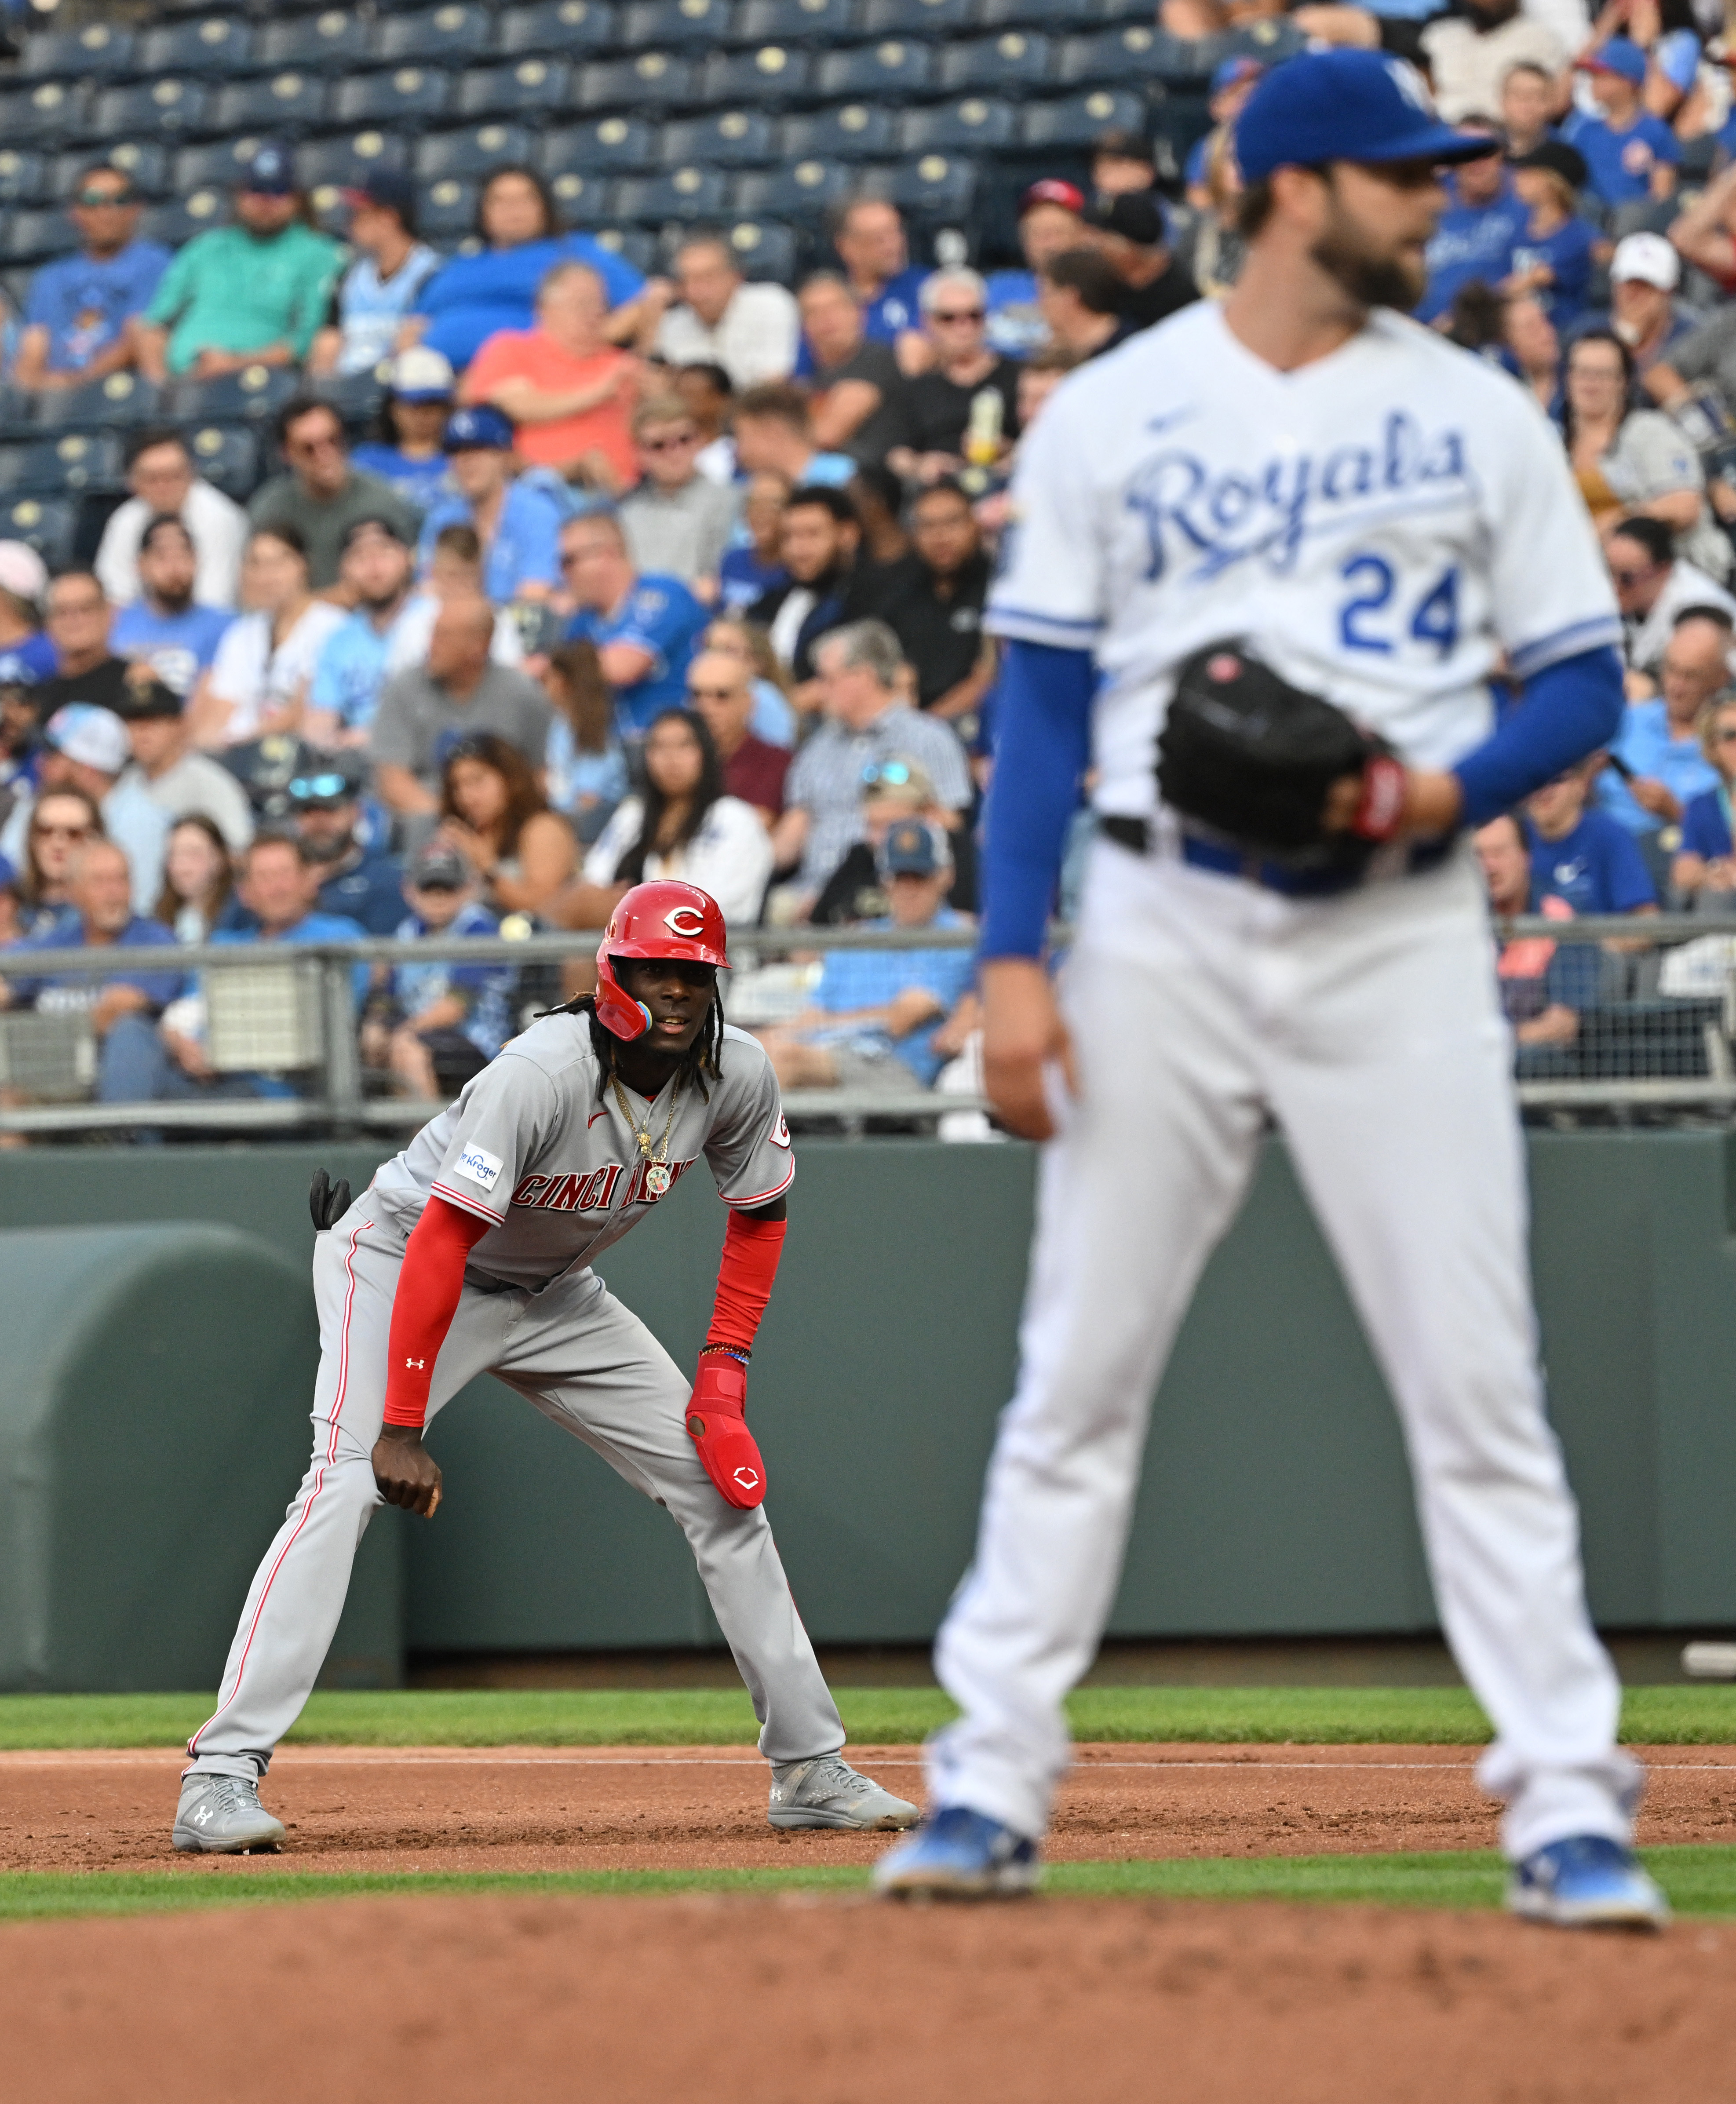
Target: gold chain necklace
<point x="658" y="1175"/>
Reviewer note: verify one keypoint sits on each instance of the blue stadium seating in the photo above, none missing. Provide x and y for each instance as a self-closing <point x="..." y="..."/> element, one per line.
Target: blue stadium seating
<point x="346" y="160"/>
<point x="688" y="195"/>
<point x="803" y="190"/>
<point x="735" y="139"/>
<point x="228" y="455"/>
<point x="24" y="178"/>
<point x="634" y="243"/>
<point x="469" y="155"/>
<point x="46" y="523"/>
<point x="147" y="164"/>
<point x="586" y="201"/>
<point x="1051" y="14"/>
<point x="763" y="249"/>
<point x="451" y="35"/>
<point x="182" y="217"/>
<point x="219" y="44"/>
<point x="565" y="27"/>
<point x="100" y="50"/>
<point x="76" y="463"/>
<point x="355" y="396"/>
<point x="333" y="42"/>
<point x="172" y="103"/>
<point x="50" y="114"/>
<point x="653" y="81"/>
<point x="32" y="237"/>
<point x="1017" y="61"/>
<point x="285" y="104"/>
<point x="17" y="414"/>
<point x="1110" y="59"/>
<point x="1073" y="121"/>
<point x="889" y="69"/>
<point x="255" y="392"/>
<point x="121" y="401"/>
<point x="446" y="210"/>
<point x="670" y="24"/>
<point x="973" y="126"/>
<point x="613" y="146"/>
<point x="406" y="95"/>
<point x="918" y="18"/>
<point x="847" y="131"/>
<point x="800" y="21"/>
<point x="772" y="76"/>
<point x="935" y="187"/>
<point x="528" y="85"/>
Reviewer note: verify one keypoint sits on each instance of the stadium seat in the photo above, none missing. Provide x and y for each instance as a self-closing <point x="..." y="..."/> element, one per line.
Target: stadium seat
<point x="18" y="413"/>
<point x="171" y="104"/>
<point x="121" y="402"/>
<point x="799" y="21"/>
<point x="584" y="200"/>
<point x="970" y="126"/>
<point x="566" y="26"/>
<point x="764" y="249"/>
<point x="439" y="36"/>
<point x="469" y="155"/>
<point x="682" y="195"/>
<point x="1110" y="59"/>
<point x="847" y="131"/>
<point x="1050" y="14"/>
<point x="229" y="456"/>
<point x="632" y="244"/>
<point x="177" y="222"/>
<point x="348" y="161"/>
<point x="84" y="462"/>
<point x="735" y="139"/>
<point x="527" y="85"/>
<point x="615" y="145"/>
<point x="651" y="81"/>
<point x="1075" y="120"/>
<point x="771" y="75"/>
<point x="99" y="51"/>
<point x="446" y="209"/>
<point x="147" y="164"/>
<point x="1269" y="40"/>
<point x="918" y="18"/>
<point x="255" y="392"/>
<point x="24" y="179"/>
<point x="218" y="166"/>
<point x="892" y="68"/>
<point x="1015" y="59"/>
<point x="320" y="43"/>
<point x="668" y="25"/>
<point x="33" y="237"/>
<point x="49" y="114"/>
<point x="285" y="104"/>
<point x="219" y="44"/>
<point x="409" y="95"/>
<point x="355" y="396"/>
<point x="46" y="523"/>
<point x="805" y="190"/>
<point x="935" y="186"/>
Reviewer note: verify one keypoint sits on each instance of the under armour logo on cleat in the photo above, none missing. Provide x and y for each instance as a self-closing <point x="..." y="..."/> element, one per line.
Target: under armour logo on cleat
<point x="418" y="1363"/>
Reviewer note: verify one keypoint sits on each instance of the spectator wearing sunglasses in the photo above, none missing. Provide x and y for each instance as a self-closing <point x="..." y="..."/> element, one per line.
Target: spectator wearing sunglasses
<point x="77" y="321"/>
<point x="893" y="792"/>
<point x="939" y="417"/>
<point x="677" y="521"/>
<point x="356" y="882"/>
<point x="54" y="827"/>
<point x="324" y="494"/>
<point x="1661" y="763"/>
<point x="1654" y="586"/>
<point x="719" y="691"/>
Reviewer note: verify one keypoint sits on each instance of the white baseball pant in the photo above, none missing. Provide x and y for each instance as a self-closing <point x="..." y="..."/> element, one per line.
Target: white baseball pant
<point x="1368" y="1024"/>
<point x="591" y="1367"/>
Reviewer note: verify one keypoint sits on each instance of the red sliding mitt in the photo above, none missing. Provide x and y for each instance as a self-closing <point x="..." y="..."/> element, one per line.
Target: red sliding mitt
<point x="717" y="1424"/>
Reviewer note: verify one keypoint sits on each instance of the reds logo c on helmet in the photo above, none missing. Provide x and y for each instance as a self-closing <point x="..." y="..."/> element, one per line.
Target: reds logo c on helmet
<point x="663" y="918"/>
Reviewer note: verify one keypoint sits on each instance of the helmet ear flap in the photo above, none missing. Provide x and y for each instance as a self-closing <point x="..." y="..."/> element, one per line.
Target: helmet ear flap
<point x="619" y="1014"/>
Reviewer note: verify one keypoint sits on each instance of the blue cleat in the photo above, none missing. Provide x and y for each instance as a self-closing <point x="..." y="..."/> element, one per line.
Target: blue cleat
<point x="1586" y="1882"/>
<point x="958" y="1854"/>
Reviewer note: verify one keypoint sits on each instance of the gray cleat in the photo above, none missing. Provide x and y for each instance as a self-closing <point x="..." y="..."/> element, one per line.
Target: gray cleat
<point x="221" y="1814"/>
<point x="827" y="1791"/>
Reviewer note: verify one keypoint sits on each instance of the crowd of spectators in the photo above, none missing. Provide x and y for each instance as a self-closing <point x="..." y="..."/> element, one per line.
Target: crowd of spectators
<point x="685" y="574"/>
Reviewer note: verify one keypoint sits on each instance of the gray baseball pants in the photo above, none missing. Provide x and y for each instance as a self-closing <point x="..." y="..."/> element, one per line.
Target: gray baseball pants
<point x="591" y="1367"/>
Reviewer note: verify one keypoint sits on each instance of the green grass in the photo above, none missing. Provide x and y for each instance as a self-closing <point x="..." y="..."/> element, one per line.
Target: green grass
<point x="887" y="1716"/>
<point x="1699" y="1880"/>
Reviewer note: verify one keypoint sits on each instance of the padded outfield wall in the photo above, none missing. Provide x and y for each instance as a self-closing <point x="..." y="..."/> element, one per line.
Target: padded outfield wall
<point x="1274" y="1499"/>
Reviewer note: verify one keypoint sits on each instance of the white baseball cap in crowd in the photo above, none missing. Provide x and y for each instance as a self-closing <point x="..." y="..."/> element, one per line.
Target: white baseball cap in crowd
<point x="1647" y="258"/>
<point x="92" y="736"/>
<point x="420" y="375"/>
<point x="23" y="573"/>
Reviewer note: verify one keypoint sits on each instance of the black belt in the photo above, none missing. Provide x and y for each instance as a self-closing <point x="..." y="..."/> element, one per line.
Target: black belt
<point x="1135" y="835"/>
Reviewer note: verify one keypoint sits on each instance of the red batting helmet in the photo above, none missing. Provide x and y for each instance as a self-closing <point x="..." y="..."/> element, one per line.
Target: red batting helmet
<point x="666" y="919"/>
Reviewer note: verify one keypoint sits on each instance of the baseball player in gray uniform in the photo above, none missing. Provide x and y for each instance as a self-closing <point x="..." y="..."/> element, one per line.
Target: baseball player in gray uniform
<point x="1266" y="556"/>
<point x="470" y="1254"/>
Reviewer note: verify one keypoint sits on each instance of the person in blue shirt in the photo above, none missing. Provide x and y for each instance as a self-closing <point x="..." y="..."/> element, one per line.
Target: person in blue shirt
<point x="163" y="627"/>
<point x="448" y="1020"/>
<point x="466" y="303"/>
<point x="1705" y="865"/>
<point x="357" y="882"/>
<point x="1552" y="255"/>
<point x="517" y="519"/>
<point x="877" y="1014"/>
<point x="376" y="293"/>
<point x="123" y="1008"/>
<point x="1051" y="220"/>
<point x="646" y="628"/>
<point x="1231" y="83"/>
<point x="1659" y="765"/>
<point x="1630" y="153"/>
<point x="77" y="321"/>
<point x="27" y="656"/>
<point x="869" y="239"/>
<point x="1581" y="856"/>
<point x="1476" y="236"/>
<point x="408" y="451"/>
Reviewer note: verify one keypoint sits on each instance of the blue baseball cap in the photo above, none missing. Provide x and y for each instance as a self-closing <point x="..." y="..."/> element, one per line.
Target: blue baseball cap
<point x="1346" y="106"/>
<point x="1230" y="73"/>
<point x="272" y="171"/>
<point x="1621" y="55"/>
<point x="483" y="429"/>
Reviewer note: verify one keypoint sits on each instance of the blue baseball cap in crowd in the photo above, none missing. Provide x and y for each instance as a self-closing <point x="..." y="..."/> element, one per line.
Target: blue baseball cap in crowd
<point x="483" y="429"/>
<point x="915" y="847"/>
<point x="1231" y="73"/>
<point x="1621" y="55"/>
<point x="1346" y="106"/>
<point x="272" y="171"/>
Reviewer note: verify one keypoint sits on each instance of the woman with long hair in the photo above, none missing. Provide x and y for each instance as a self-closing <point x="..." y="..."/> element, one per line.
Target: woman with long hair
<point x="60" y="823"/>
<point x="198" y="879"/>
<point x="492" y="812"/>
<point x="258" y="681"/>
<point x="584" y="765"/>
<point x="680" y="825"/>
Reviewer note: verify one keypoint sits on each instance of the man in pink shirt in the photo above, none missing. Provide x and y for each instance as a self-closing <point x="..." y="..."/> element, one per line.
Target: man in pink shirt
<point x="568" y="389"/>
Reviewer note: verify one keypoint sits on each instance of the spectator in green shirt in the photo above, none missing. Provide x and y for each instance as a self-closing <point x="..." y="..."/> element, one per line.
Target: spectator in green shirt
<point x="250" y="294"/>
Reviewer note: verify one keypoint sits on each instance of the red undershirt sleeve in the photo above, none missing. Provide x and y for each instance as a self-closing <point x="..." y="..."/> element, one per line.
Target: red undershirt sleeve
<point x="429" y="1285"/>
<point x="751" y="1249"/>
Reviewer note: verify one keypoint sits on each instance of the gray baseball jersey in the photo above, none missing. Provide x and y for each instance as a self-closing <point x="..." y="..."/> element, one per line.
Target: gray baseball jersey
<point x="537" y="1145"/>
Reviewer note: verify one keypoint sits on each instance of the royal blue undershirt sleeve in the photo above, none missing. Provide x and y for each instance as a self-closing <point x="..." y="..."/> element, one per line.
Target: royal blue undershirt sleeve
<point x="1567" y="710"/>
<point x="1041" y="752"/>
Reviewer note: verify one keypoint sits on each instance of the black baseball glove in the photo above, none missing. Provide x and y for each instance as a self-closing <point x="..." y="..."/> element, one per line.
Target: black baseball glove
<point x="327" y="1202"/>
<point x="1250" y="758"/>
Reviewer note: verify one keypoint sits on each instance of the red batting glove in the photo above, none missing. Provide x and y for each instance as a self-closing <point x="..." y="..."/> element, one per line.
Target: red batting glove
<point x="717" y="1424"/>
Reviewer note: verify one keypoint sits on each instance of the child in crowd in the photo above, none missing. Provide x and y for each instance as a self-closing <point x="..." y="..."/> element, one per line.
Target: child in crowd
<point x="443" y="1022"/>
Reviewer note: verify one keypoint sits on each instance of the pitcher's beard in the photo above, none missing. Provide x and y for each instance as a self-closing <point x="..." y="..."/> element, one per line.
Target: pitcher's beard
<point x="1371" y="281"/>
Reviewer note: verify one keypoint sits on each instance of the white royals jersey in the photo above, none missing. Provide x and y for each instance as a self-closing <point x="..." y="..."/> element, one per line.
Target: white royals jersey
<point x="1381" y="526"/>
